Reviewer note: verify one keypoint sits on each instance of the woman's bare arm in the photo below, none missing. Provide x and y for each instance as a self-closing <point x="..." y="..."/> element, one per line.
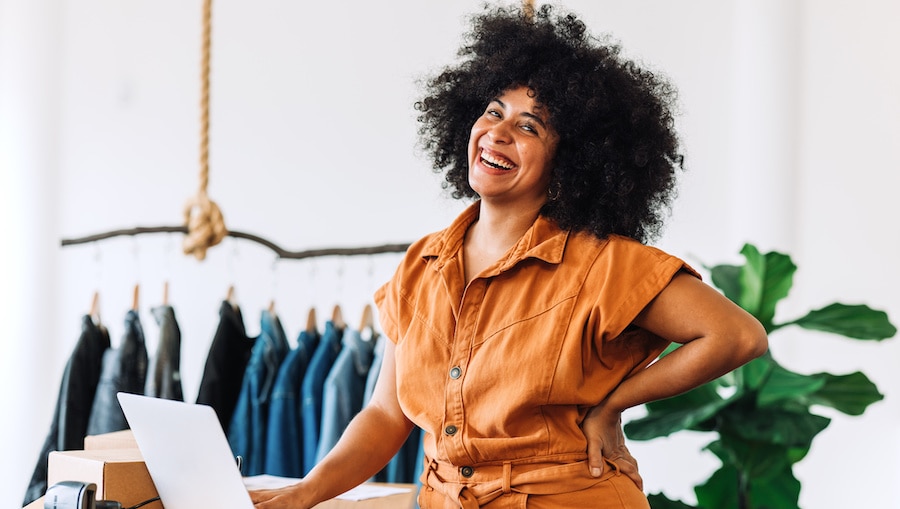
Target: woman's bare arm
<point x="717" y="336"/>
<point x="369" y="442"/>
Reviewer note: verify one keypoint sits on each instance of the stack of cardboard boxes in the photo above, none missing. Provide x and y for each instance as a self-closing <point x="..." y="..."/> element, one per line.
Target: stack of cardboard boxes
<point x="112" y="461"/>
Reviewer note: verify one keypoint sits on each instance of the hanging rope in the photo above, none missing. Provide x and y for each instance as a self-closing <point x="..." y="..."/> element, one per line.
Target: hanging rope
<point x="528" y="9"/>
<point x="204" y="221"/>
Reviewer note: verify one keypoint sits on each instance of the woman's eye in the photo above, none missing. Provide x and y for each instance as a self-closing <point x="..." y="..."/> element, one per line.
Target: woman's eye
<point x="530" y="128"/>
<point x="493" y="113"/>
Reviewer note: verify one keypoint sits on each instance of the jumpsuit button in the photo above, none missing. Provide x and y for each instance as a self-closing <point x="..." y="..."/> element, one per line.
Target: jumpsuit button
<point x="455" y="372"/>
<point x="450" y="430"/>
<point x="467" y="471"/>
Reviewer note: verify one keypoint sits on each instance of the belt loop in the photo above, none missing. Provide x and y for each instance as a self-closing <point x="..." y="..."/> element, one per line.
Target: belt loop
<point x="614" y="465"/>
<point x="507" y="474"/>
<point x="430" y="470"/>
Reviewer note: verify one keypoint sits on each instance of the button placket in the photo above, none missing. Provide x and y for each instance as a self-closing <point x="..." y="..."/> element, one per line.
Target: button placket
<point x="463" y="337"/>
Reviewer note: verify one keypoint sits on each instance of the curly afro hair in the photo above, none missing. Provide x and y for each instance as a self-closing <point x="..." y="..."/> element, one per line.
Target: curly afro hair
<point x="618" y="153"/>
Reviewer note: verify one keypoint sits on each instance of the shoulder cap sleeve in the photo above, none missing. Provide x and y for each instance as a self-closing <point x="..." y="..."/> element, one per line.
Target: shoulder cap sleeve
<point x="633" y="275"/>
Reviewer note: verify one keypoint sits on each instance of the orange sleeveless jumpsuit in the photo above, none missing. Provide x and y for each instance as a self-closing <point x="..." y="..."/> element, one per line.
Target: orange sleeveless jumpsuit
<point x="500" y="373"/>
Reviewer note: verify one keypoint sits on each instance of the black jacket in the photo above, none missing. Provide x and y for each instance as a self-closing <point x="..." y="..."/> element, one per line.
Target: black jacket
<point x="74" y="403"/>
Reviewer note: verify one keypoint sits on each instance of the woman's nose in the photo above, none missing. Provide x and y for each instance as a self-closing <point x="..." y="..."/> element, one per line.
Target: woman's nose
<point x="500" y="132"/>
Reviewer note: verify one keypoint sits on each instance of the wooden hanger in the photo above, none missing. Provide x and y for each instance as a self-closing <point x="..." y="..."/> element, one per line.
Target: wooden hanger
<point x="311" y="322"/>
<point x="366" y="321"/>
<point x="337" y="317"/>
<point x="271" y="307"/>
<point x="136" y="298"/>
<point x="229" y="297"/>
<point x="95" y="309"/>
<point x="367" y="324"/>
<point x="165" y="296"/>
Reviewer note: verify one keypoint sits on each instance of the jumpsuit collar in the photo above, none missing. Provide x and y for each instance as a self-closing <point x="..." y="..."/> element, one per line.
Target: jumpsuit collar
<point x="544" y="240"/>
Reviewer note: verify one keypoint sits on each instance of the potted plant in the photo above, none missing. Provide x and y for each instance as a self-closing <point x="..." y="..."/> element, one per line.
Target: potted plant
<point x="762" y="412"/>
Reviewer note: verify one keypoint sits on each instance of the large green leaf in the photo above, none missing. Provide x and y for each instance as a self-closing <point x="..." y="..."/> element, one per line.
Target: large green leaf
<point x="725" y="490"/>
<point x="660" y="501"/>
<point x="664" y="423"/>
<point x="693" y="398"/>
<point x="757" y="460"/>
<point x="781" y="490"/>
<point x="727" y="279"/>
<point x="775" y="425"/>
<point x="853" y="321"/>
<point x="783" y="384"/>
<point x="765" y="280"/>
<point x="850" y="394"/>
<point x="721" y="490"/>
<point x="756" y="372"/>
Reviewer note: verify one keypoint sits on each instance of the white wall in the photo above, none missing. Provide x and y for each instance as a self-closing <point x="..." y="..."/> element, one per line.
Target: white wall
<point x="312" y="145"/>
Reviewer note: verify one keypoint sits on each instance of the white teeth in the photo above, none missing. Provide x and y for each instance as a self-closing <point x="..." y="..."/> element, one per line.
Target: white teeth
<point x="495" y="162"/>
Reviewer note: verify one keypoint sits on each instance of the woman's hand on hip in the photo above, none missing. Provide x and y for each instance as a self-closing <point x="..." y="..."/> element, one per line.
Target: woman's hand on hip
<point x="605" y="439"/>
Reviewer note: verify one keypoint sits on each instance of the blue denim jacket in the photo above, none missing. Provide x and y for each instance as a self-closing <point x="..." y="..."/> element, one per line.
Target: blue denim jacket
<point x="164" y="376"/>
<point x="311" y="391"/>
<point x="124" y="370"/>
<point x="374" y="369"/>
<point x="73" y="405"/>
<point x="247" y="431"/>
<point x="405" y="466"/>
<point x="284" y="439"/>
<point x="345" y="385"/>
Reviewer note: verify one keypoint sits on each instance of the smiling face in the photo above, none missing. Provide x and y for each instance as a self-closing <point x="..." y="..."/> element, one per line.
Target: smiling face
<point x="511" y="149"/>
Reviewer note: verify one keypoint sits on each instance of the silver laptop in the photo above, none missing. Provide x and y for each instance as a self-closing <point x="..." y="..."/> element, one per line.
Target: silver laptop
<point x="186" y="452"/>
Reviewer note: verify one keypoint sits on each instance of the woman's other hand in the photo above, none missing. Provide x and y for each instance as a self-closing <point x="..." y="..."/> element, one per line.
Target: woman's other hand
<point x="289" y="497"/>
<point x="605" y="439"/>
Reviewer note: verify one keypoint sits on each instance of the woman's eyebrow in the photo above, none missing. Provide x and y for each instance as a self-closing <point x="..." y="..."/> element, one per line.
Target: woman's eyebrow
<point x="530" y="115"/>
<point x="536" y="118"/>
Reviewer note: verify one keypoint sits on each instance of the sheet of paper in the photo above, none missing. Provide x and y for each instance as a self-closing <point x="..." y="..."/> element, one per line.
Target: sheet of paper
<point x="361" y="492"/>
<point x="268" y="482"/>
<point x="367" y="491"/>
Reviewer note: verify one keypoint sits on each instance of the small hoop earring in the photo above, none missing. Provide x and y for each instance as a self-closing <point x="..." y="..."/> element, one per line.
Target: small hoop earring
<point x="554" y="190"/>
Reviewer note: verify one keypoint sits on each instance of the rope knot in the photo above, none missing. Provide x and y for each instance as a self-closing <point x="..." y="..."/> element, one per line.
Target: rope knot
<point x="205" y="225"/>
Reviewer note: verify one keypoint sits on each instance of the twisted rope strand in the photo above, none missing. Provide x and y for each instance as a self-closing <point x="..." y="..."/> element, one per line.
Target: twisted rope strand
<point x="204" y="220"/>
<point x="204" y="95"/>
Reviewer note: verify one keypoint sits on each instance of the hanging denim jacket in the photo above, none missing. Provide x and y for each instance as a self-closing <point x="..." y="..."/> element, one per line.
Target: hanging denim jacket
<point x="164" y="376"/>
<point x="311" y="391"/>
<point x="229" y="354"/>
<point x="405" y="466"/>
<point x="124" y="370"/>
<point x="247" y="431"/>
<point x="344" y="387"/>
<point x="74" y="402"/>
<point x="284" y="439"/>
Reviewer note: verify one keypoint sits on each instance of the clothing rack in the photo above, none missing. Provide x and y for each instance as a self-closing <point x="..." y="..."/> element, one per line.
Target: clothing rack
<point x="279" y="251"/>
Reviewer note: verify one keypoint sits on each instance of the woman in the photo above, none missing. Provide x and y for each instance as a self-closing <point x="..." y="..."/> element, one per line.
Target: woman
<point x="521" y="332"/>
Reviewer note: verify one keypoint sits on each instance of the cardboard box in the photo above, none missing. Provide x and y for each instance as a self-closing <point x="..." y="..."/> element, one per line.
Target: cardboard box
<point x="120" y="474"/>
<point x="115" y="440"/>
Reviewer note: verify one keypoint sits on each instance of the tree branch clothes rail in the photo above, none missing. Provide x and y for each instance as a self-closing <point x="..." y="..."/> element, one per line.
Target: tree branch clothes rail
<point x="281" y="252"/>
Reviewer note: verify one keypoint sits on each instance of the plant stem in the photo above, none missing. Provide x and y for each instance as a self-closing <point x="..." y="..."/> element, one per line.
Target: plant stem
<point x="743" y="491"/>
